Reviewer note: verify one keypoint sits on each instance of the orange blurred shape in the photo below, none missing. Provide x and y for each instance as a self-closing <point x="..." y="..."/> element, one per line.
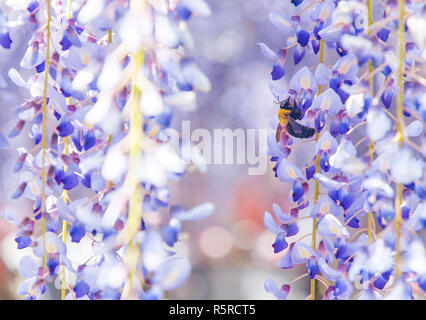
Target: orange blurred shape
<point x="254" y="195"/>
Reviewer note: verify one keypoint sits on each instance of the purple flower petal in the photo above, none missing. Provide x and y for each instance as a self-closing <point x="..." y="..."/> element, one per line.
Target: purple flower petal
<point x="288" y="172"/>
<point x="286" y="261"/>
<point x="27" y="267"/>
<point x="283" y="217"/>
<point x="327" y="271"/>
<point x="267" y="52"/>
<point x="301" y="253"/>
<point x="280" y="22"/>
<point x="329" y="226"/>
<point x="4" y="144"/>
<point x="280" y="294"/>
<point x="304" y="80"/>
<point x="17" y="129"/>
<point x="199" y="212"/>
<point x="270" y="224"/>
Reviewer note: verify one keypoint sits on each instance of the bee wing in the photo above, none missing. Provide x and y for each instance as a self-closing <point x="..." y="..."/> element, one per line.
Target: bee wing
<point x="299" y="131"/>
<point x="278" y="133"/>
<point x="295" y="113"/>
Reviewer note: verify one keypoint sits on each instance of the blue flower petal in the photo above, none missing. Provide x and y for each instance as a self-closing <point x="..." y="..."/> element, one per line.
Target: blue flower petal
<point x="383" y="34"/>
<point x="19" y="191"/>
<point x="65" y="128"/>
<point x="277" y="71"/>
<point x="70" y="181"/>
<point x="23" y="241"/>
<point x="296" y="2"/>
<point x="312" y="268"/>
<point x="81" y="288"/>
<point x="280" y="244"/>
<point x="52" y="264"/>
<point x="32" y="6"/>
<point x="302" y="37"/>
<point x="5" y="40"/>
<point x="170" y="234"/>
<point x="77" y="231"/>
<point x="183" y="12"/>
<point x="316" y="45"/>
<point x="317" y="28"/>
<point x="65" y="43"/>
<point x="386" y="98"/>
<point x="310" y="171"/>
<point x="292" y="230"/>
<point x="298" y="191"/>
<point x="298" y="54"/>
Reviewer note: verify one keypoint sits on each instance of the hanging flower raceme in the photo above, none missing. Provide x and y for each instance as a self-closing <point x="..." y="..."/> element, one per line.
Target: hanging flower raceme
<point x="107" y="77"/>
<point x="367" y="164"/>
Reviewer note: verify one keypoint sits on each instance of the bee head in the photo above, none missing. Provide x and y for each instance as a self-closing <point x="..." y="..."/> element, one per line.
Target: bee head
<point x="286" y="104"/>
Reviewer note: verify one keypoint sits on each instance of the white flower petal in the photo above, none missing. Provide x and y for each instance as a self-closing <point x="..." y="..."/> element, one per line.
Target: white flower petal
<point x="355" y="104"/>
<point x="405" y="168"/>
<point x="378" y="124"/>
<point x="414" y="129"/>
<point x="91" y="10"/>
<point x="199" y="7"/>
<point x="16" y="78"/>
<point x="151" y="102"/>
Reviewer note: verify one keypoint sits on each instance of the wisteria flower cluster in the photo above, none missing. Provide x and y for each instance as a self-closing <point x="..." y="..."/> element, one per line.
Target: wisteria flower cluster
<point x="107" y="77"/>
<point x="364" y="188"/>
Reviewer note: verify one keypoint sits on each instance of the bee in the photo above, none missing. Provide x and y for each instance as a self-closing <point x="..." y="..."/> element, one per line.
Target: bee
<point x="287" y="115"/>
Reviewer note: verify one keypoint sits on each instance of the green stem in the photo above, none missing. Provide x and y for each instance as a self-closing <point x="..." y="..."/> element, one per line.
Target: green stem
<point x="371" y="87"/>
<point x="135" y="138"/>
<point x="69" y="16"/>
<point x="135" y="206"/>
<point x="43" y="138"/>
<point x="65" y="192"/>
<point x="64" y="228"/>
<point x="317" y="170"/>
<point x="400" y="134"/>
<point x="109" y="36"/>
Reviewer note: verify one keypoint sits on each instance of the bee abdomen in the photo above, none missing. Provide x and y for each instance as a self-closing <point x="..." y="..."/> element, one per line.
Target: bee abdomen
<point x="301" y="132"/>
